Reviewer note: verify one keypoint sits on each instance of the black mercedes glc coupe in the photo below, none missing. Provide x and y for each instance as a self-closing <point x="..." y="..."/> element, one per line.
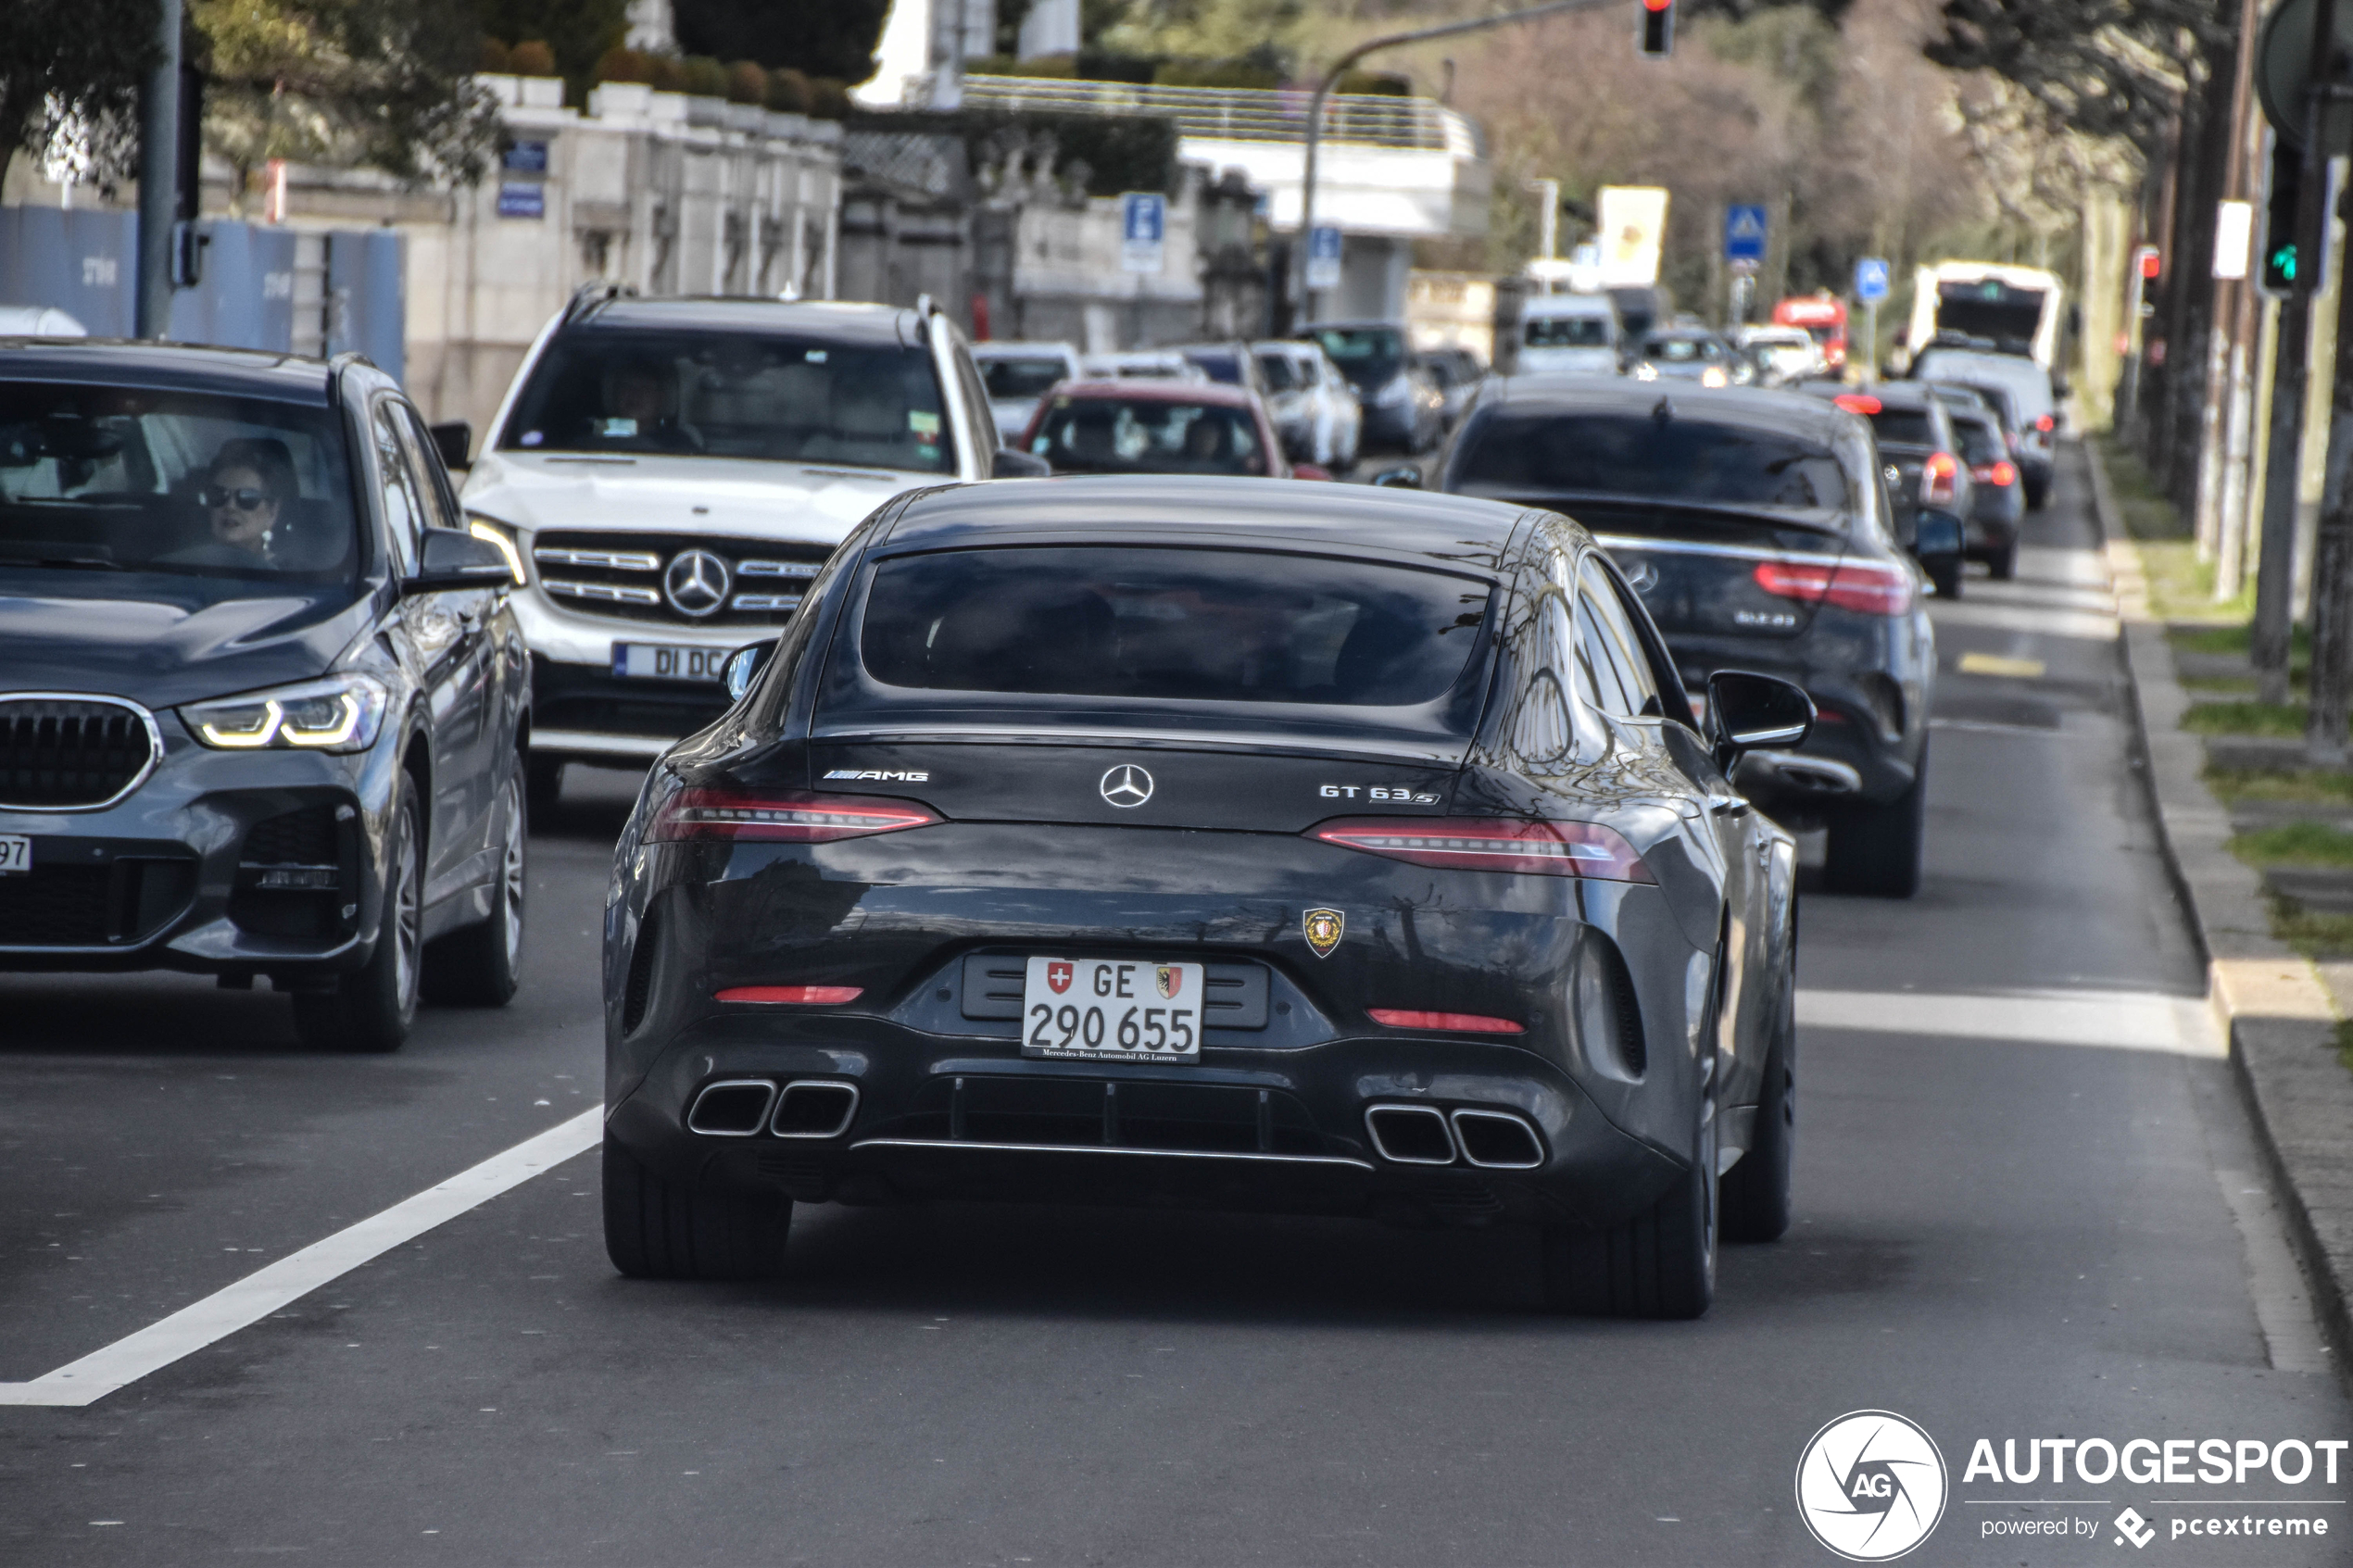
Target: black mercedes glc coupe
<point x="1217" y="842"/>
<point x="261" y="700"/>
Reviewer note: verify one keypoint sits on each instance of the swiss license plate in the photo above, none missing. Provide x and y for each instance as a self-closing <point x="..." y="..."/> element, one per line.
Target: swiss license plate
<point x="667" y="662"/>
<point x="1112" y="1010"/>
<point x="15" y="854"/>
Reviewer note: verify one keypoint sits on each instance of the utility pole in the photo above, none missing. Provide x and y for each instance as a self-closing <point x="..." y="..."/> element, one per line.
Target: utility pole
<point x="1346" y="62"/>
<point x="2229" y="458"/>
<point x="159" y="177"/>
<point x="2272" y="635"/>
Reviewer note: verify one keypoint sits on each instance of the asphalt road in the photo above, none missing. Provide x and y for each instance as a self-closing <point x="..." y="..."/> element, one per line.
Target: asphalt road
<point x="2028" y="1207"/>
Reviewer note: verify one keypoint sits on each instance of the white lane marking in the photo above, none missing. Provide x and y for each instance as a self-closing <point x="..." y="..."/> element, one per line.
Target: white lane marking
<point x="289" y="1279"/>
<point x="2282" y="1303"/>
<point x="2143" y="1021"/>
<point x="1987" y="727"/>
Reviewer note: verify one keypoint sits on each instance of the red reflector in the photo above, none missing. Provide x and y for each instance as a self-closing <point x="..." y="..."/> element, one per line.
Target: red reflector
<point x="1872" y="590"/>
<point x="792" y="816"/>
<point x="1857" y="402"/>
<point x="804" y="996"/>
<point x="1457" y="1022"/>
<point x="1492" y="844"/>
<point x="2046" y="422"/>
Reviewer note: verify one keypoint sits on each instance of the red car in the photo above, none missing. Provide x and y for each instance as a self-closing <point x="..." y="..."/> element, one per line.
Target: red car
<point x="1159" y="427"/>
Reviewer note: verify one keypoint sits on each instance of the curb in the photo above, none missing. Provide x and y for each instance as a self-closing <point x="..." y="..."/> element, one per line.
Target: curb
<point x="2266" y="998"/>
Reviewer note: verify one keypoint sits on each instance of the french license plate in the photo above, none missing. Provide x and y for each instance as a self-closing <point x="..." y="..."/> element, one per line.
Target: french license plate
<point x="666" y="661"/>
<point x="1112" y="1010"/>
<point x="15" y="854"/>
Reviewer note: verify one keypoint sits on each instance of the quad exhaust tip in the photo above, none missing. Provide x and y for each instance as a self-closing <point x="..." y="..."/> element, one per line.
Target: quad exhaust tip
<point x="1422" y="1135"/>
<point x="732" y="1108"/>
<point x="1497" y="1141"/>
<point x="815" y="1107"/>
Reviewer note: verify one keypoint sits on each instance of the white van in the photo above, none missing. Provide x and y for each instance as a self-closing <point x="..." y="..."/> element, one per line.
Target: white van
<point x="1571" y="334"/>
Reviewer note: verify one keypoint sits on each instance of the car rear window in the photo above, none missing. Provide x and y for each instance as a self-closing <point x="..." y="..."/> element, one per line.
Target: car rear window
<point x="1567" y="332"/>
<point x="1531" y="453"/>
<point x="1218" y="364"/>
<point x="1981" y="442"/>
<point x="1170" y="625"/>
<point x="710" y="394"/>
<point x="1025" y="377"/>
<point x="1282" y="372"/>
<point x="1147" y="435"/>
<point x="1906" y="427"/>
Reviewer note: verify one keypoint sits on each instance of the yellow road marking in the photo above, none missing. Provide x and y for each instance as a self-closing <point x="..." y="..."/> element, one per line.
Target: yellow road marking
<point x="1994" y="664"/>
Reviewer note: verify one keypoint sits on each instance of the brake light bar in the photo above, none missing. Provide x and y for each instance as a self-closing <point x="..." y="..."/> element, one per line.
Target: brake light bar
<point x="1999" y="475"/>
<point x="1492" y="844"/>
<point x="802" y="996"/>
<point x="1454" y="1023"/>
<point x="787" y="816"/>
<point x="1939" y="477"/>
<point x="1864" y="587"/>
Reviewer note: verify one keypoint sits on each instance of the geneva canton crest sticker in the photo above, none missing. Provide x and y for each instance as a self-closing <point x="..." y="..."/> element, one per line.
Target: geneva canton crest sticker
<point x="1323" y="928"/>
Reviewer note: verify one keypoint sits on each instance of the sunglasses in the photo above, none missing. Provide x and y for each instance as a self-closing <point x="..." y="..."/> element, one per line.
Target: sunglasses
<point x="245" y="497"/>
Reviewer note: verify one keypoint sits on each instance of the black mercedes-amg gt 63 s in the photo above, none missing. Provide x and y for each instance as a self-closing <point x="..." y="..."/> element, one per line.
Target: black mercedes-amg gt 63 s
<point x="1222" y="843"/>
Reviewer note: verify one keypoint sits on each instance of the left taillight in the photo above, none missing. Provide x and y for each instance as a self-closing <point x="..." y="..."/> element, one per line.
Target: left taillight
<point x="788" y="815"/>
<point x="1938" y="479"/>
<point x="1492" y="844"/>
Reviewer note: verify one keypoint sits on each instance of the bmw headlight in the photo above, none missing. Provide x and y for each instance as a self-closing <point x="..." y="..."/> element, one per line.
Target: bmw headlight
<point x="340" y="713"/>
<point x="1397" y="392"/>
<point x="499" y="536"/>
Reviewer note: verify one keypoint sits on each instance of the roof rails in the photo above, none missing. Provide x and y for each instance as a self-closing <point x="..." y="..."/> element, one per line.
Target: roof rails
<point x="590" y="296"/>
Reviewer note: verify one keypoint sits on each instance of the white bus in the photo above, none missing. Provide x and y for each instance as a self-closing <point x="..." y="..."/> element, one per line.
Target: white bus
<point x="2018" y="307"/>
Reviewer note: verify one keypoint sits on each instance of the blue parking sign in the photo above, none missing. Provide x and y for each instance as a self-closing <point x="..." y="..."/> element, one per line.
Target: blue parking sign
<point x="1745" y="231"/>
<point x="1870" y="279"/>
<point x="1143" y="231"/>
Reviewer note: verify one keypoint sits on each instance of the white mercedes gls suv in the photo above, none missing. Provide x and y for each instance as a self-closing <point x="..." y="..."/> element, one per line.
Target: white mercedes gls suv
<point x="667" y="475"/>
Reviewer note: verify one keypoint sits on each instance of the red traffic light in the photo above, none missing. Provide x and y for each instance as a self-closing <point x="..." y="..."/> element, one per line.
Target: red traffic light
<point x="1657" y="39"/>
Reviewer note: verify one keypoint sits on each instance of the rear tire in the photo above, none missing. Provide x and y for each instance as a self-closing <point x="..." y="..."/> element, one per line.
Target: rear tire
<point x="2003" y="563"/>
<point x="1661" y="1264"/>
<point x="544" y="783"/>
<point x="371" y="1009"/>
<point x="1754" y="1197"/>
<point x="481" y="965"/>
<point x="658" y="1229"/>
<point x="1946" y="580"/>
<point x="1876" y="850"/>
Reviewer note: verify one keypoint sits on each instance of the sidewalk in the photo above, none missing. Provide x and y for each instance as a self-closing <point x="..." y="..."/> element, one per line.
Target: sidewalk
<point x="2275" y="1005"/>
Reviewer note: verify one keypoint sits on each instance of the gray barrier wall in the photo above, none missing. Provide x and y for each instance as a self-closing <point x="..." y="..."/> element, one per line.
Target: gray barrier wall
<point x="82" y="262"/>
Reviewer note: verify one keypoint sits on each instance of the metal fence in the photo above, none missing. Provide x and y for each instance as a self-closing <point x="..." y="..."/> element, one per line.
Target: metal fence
<point x="1241" y="114"/>
<point x="261" y="286"/>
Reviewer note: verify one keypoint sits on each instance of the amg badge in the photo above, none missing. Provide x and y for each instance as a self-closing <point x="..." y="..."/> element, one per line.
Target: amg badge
<point x="1323" y="928"/>
<point x="888" y="775"/>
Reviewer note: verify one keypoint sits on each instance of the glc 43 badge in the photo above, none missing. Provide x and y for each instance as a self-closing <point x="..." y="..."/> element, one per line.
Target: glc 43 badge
<point x="1323" y="928"/>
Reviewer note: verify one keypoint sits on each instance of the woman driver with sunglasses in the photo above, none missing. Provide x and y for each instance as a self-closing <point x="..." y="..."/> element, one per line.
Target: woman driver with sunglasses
<point x="241" y="494"/>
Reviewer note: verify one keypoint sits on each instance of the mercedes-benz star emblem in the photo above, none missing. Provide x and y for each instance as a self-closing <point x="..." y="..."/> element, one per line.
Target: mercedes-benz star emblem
<point x="695" y="583"/>
<point x="1642" y="577"/>
<point x="1126" y="786"/>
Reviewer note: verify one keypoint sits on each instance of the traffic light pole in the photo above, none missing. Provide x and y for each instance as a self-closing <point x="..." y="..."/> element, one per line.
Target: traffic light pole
<point x="1348" y="61"/>
<point x="158" y="179"/>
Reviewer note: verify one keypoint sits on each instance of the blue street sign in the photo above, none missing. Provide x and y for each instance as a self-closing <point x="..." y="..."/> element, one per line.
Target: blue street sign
<point x="1870" y="279"/>
<point x="521" y="198"/>
<point x="1744" y="228"/>
<point x="1323" y="258"/>
<point x="1143" y="231"/>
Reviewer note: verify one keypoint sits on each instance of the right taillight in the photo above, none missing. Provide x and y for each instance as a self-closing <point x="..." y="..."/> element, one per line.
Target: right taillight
<point x="1940" y="476"/>
<point x="1867" y="587"/>
<point x="1999" y="475"/>
<point x="788" y="815"/>
<point x="1492" y="844"/>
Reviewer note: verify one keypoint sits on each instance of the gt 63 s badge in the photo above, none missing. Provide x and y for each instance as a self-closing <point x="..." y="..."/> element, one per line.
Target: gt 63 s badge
<point x="1323" y="928"/>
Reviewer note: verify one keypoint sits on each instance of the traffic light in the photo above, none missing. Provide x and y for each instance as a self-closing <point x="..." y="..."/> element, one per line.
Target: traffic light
<point x="2280" y="248"/>
<point x="1657" y="39"/>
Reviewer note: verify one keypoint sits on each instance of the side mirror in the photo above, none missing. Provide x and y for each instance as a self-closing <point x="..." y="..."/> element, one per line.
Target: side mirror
<point x="1751" y="711"/>
<point x="454" y="442"/>
<point x="454" y="561"/>
<point x="1010" y="462"/>
<point x="1404" y="477"/>
<point x="1935" y="535"/>
<point x="1310" y="470"/>
<point x="743" y="666"/>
